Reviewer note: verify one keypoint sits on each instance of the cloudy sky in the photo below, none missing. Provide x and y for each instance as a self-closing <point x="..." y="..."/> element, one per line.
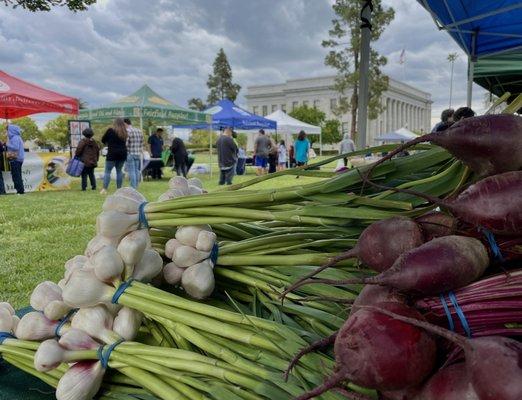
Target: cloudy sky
<point x="116" y="46"/>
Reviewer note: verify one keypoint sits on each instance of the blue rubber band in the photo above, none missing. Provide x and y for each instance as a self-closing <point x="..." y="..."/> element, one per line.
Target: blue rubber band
<point x="63" y="321"/>
<point x="5" y="335"/>
<point x="121" y="289"/>
<point x="214" y="253"/>
<point x="451" y="325"/>
<point x="104" y="353"/>
<point x="142" y="217"/>
<point x="460" y="313"/>
<point x="495" y="249"/>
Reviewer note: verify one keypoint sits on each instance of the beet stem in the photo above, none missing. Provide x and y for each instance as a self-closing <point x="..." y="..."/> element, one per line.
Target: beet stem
<point x="437" y="330"/>
<point x="334" y="260"/>
<point x="333" y="282"/>
<point x="317" y="345"/>
<point x="328" y="384"/>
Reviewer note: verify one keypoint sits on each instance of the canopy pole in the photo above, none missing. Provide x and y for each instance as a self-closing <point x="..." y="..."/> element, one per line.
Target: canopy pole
<point x="471" y="67"/>
<point x="321" y="143"/>
<point x="364" y="67"/>
<point x="210" y="132"/>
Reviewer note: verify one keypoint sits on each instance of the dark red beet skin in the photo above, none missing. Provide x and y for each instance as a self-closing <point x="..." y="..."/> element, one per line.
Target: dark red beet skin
<point x="405" y="394"/>
<point x="488" y="144"/>
<point x="493" y="363"/>
<point x="377" y="352"/>
<point x="373" y="294"/>
<point x="436" y="224"/>
<point x="450" y="383"/>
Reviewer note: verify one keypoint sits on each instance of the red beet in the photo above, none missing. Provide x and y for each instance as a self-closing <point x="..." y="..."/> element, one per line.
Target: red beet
<point x="405" y="394"/>
<point x="488" y="144"/>
<point x="436" y="224"/>
<point x="493" y="363"/>
<point x="437" y="266"/>
<point x="378" y="247"/>
<point x="451" y="383"/>
<point x="376" y="351"/>
<point x="371" y="295"/>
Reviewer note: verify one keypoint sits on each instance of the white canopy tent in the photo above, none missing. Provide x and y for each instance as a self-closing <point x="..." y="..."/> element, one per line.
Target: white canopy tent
<point x="287" y="126"/>
<point x="400" y="135"/>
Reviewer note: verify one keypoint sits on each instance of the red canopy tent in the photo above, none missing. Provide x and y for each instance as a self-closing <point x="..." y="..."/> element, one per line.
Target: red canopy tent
<point x="19" y="98"/>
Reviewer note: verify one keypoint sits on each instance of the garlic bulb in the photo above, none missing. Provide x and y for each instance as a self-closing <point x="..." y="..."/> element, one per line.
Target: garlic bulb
<point x="6" y="320"/>
<point x="61" y="283"/>
<point x="185" y="256"/>
<point x="206" y="240"/>
<point x="81" y="382"/>
<point x="198" y="280"/>
<point x="172" y="194"/>
<point x="172" y="273"/>
<point x="188" y="235"/>
<point x="35" y="326"/>
<point x="8" y="307"/>
<point x="44" y="293"/>
<point x="148" y="267"/>
<point x="16" y="320"/>
<point x="96" y="322"/>
<point x="127" y="323"/>
<point x="83" y="289"/>
<point x="194" y="190"/>
<point x="115" y="224"/>
<point x="195" y="182"/>
<point x="130" y="193"/>
<point x="121" y="203"/>
<point x="56" y="309"/>
<point x="76" y="339"/>
<point x="171" y="246"/>
<point x="108" y="264"/>
<point x="76" y="261"/>
<point x="133" y="245"/>
<point x="180" y="183"/>
<point x="49" y="356"/>
<point x="99" y="241"/>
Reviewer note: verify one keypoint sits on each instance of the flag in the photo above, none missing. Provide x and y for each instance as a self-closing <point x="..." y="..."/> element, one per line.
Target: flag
<point x="402" y="57"/>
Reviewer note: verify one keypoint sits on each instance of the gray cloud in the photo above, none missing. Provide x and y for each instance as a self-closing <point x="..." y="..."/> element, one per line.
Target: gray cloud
<point x="116" y="46"/>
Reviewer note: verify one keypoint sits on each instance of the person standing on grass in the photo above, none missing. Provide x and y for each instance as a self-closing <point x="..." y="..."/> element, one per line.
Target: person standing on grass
<point x="15" y="155"/>
<point x="346" y="146"/>
<point x="116" y="141"/>
<point x="261" y="152"/>
<point x="88" y="152"/>
<point x="156" y="148"/>
<point x="227" y="156"/>
<point x="281" y="156"/>
<point x="180" y="155"/>
<point x="302" y="147"/>
<point x="134" y="152"/>
<point x="2" y="167"/>
<point x="272" y="156"/>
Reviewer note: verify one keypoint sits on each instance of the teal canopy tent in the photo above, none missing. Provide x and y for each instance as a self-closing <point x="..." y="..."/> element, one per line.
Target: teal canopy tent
<point x="500" y="74"/>
<point x="146" y="105"/>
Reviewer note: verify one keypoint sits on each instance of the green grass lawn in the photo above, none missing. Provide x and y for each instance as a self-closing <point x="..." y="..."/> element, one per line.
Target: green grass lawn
<point x="40" y="231"/>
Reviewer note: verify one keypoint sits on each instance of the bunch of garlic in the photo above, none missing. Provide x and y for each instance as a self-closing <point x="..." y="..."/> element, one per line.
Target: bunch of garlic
<point x="190" y="250"/>
<point x="8" y="320"/>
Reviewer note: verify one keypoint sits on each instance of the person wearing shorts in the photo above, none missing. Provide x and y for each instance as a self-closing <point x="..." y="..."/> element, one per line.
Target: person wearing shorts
<point x="261" y="151"/>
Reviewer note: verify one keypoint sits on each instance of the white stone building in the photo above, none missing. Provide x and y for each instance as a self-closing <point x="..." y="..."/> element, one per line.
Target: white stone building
<point x="406" y="106"/>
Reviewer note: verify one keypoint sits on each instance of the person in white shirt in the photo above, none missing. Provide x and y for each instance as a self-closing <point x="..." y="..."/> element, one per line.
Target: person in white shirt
<point x="346" y="146"/>
<point x="282" y="156"/>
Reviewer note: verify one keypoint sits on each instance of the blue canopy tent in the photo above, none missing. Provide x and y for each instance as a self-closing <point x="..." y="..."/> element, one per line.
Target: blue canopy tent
<point x="480" y="27"/>
<point x="226" y="114"/>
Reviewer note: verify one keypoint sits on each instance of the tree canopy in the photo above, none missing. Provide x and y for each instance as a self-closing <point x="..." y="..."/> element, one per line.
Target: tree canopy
<point x="310" y="115"/>
<point x="46" y="5"/>
<point x="220" y="81"/>
<point x="344" y="56"/>
<point x="57" y="130"/>
<point x="29" y="128"/>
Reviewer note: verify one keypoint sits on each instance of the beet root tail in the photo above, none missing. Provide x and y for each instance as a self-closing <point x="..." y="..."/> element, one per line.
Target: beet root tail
<point x="333" y="261"/>
<point x="328" y="384"/>
<point x="320" y="344"/>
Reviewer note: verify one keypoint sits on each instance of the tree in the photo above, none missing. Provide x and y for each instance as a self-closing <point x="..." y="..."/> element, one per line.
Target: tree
<point x="197" y="104"/>
<point x="46" y="5"/>
<point x="331" y="131"/>
<point x="57" y="130"/>
<point x="220" y="83"/>
<point x="200" y="138"/>
<point x="310" y="115"/>
<point x="29" y="128"/>
<point x="346" y="31"/>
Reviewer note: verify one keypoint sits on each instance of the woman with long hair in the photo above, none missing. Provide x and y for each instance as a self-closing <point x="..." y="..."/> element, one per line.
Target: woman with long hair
<point x="302" y="147"/>
<point x="115" y="138"/>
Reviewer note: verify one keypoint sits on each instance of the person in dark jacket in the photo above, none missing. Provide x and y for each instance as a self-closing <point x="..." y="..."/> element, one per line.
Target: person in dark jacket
<point x="446" y="120"/>
<point x="2" y="186"/>
<point x="227" y="157"/>
<point x="116" y="140"/>
<point x="88" y="152"/>
<point x="463" y="113"/>
<point x="180" y="155"/>
<point x="156" y="148"/>
<point x="15" y="148"/>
